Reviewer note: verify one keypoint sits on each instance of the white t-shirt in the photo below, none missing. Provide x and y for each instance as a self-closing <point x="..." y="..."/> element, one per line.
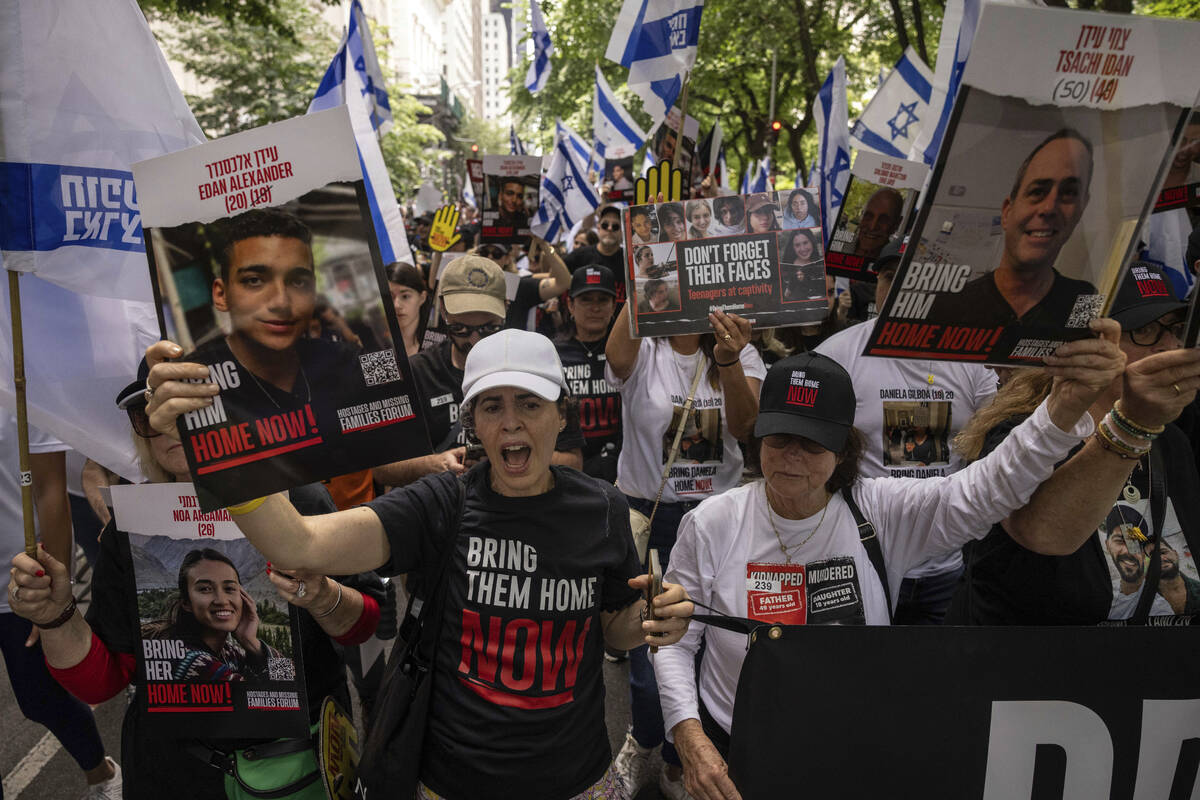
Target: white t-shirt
<point x="910" y="411"/>
<point x="728" y="557"/>
<point x="12" y="526"/>
<point x="652" y="397"/>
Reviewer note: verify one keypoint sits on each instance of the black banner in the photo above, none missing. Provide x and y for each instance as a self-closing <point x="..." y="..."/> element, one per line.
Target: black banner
<point x="954" y="713"/>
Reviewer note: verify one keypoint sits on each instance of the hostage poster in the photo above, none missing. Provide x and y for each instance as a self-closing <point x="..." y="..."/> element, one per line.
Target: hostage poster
<point x="261" y="247"/>
<point x="219" y="652"/>
<point x="737" y="254"/>
<point x="879" y="197"/>
<point x="510" y="198"/>
<point x="1050" y="166"/>
<point x="664" y="141"/>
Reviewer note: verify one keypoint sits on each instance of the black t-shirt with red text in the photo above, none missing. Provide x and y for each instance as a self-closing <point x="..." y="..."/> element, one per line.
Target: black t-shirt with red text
<point x="599" y="404"/>
<point x="518" y="693"/>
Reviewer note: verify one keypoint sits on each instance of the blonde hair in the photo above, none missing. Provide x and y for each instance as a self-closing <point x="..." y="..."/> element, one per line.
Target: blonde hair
<point x="149" y="464"/>
<point x="1022" y="394"/>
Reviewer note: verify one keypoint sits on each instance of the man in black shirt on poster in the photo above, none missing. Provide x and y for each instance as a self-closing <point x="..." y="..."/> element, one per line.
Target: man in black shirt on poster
<point x="1039" y="215"/>
<point x="607" y="252"/>
<point x="593" y="297"/>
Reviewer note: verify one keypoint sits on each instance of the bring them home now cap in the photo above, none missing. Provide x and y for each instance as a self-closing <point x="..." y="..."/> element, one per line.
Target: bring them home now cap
<point x="1145" y="294"/>
<point x="593" y="278"/>
<point x="807" y="395"/>
<point x="473" y="283"/>
<point x="522" y="359"/>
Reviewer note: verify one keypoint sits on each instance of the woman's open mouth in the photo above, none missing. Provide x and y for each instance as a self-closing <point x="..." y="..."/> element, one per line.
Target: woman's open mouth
<point x="516" y="457"/>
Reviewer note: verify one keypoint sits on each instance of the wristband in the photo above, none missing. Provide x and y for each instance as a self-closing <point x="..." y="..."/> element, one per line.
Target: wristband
<point x="1140" y="430"/>
<point x="333" y="607"/>
<point x="726" y="363"/>
<point x="1112" y="448"/>
<point x="246" y="507"/>
<point x="1113" y="430"/>
<point x="1110" y="436"/>
<point x="61" y="619"/>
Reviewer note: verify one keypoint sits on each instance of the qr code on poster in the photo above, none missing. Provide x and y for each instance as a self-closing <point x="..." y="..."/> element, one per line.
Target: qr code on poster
<point x="379" y="367"/>
<point x="281" y="669"/>
<point x="1087" y="308"/>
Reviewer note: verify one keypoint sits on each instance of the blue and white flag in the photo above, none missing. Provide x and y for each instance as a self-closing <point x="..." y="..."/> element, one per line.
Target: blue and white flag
<point x="468" y="191"/>
<point x="354" y="80"/>
<point x="747" y="178"/>
<point x="647" y="162"/>
<point x="539" y="70"/>
<point x="722" y="172"/>
<point x="577" y="145"/>
<point x="84" y="93"/>
<point x="611" y="123"/>
<point x="656" y="40"/>
<point x="958" y="31"/>
<point x="566" y="196"/>
<point x="891" y="121"/>
<point x="515" y="146"/>
<point x="831" y="171"/>
<point x="762" y="172"/>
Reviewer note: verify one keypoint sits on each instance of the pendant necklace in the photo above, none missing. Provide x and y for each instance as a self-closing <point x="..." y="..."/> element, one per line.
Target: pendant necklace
<point x="263" y="389"/>
<point x="782" y="548"/>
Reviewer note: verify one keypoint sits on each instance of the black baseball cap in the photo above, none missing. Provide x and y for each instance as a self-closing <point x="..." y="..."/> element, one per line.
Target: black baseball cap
<point x="135" y="393"/>
<point x="807" y="395"/>
<point x="1145" y="294"/>
<point x="593" y="278"/>
<point x="608" y="208"/>
<point x="889" y="255"/>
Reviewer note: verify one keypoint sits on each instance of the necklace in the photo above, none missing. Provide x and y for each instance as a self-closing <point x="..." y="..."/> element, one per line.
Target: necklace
<point x="592" y="353"/>
<point x="263" y="389"/>
<point x="783" y="548"/>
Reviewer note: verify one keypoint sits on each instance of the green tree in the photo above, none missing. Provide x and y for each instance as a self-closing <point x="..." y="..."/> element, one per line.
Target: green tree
<point x="732" y="79"/>
<point x="254" y="74"/>
<point x="262" y="13"/>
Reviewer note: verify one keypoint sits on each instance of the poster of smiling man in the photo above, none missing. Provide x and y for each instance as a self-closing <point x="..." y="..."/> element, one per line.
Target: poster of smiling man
<point x="879" y="198"/>
<point x="263" y="251"/>
<point x="1050" y="166"/>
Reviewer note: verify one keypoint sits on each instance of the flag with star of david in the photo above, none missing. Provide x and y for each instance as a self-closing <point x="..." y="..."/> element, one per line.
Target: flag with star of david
<point x="894" y="116"/>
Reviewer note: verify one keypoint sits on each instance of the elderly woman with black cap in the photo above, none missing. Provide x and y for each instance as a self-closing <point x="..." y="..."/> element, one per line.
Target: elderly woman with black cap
<point x="542" y="573"/>
<point x="812" y="543"/>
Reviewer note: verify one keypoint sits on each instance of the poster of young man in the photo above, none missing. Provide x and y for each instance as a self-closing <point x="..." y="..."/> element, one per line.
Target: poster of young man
<point x="683" y="264"/>
<point x="618" y="175"/>
<point x="664" y="140"/>
<point x="879" y="197"/>
<point x="220" y="649"/>
<point x="263" y="244"/>
<point x="510" y="197"/>
<point x="1050" y="166"/>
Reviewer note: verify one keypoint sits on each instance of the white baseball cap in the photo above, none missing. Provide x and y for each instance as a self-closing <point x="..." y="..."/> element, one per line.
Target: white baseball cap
<point x="522" y="359"/>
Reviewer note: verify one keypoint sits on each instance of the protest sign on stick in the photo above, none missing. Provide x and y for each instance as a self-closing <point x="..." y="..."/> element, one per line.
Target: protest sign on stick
<point x="666" y="145"/>
<point x="687" y="259"/>
<point x="219" y="649"/>
<point x="878" y="199"/>
<point x="269" y="232"/>
<point x="510" y="197"/>
<point x="1050" y="166"/>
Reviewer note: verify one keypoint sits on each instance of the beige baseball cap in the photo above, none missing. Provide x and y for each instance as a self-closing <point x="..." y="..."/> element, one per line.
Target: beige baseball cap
<point x="473" y="283"/>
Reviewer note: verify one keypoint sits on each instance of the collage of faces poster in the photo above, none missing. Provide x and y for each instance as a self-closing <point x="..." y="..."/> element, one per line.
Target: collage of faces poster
<point x="738" y="254"/>
<point x="879" y="197"/>
<point x="262" y="247"/>
<point x="510" y="197"/>
<point x="1049" y="168"/>
<point x="219" y="651"/>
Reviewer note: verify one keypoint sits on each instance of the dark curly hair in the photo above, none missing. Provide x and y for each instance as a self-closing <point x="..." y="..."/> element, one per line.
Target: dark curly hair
<point x="256" y="222"/>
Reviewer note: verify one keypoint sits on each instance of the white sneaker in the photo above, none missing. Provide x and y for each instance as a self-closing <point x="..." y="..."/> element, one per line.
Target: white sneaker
<point x="110" y="789"/>
<point x="633" y="764"/>
<point x="669" y="789"/>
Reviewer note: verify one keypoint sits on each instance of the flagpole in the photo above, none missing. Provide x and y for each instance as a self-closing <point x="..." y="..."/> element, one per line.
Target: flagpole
<point x="14" y="299"/>
<point x="683" y="104"/>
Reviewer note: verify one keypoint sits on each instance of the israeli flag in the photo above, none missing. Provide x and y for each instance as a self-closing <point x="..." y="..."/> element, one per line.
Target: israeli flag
<point x="831" y="172"/>
<point x="761" y="172"/>
<point x="577" y="145"/>
<point x="85" y="93"/>
<point x="566" y="196"/>
<point x="355" y="80"/>
<point x="656" y="40"/>
<point x="744" y="188"/>
<point x="468" y="192"/>
<point x="515" y="146"/>
<point x="647" y="162"/>
<point x="893" y="118"/>
<point x="611" y="123"/>
<point x="958" y="31"/>
<point x="539" y="70"/>
<point x="723" y="171"/>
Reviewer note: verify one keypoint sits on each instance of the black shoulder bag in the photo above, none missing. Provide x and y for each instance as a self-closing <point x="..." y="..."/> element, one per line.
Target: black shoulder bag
<point x="390" y="764"/>
<point x="1158" y="510"/>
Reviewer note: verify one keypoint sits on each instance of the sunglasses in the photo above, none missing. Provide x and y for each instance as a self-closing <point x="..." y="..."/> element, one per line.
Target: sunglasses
<point x="140" y="422"/>
<point x="462" y="331"/>
<point x="616" y="226"/>
<point x="783" y="441"/>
